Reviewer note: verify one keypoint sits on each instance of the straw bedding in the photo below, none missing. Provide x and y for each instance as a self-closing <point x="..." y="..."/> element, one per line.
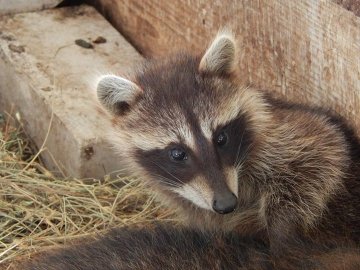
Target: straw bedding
<point x="38" y="211"/>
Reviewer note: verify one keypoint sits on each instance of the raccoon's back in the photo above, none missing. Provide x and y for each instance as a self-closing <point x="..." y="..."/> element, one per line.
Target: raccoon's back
<point x="167" y="247"/>
<point x="160" y="247"/>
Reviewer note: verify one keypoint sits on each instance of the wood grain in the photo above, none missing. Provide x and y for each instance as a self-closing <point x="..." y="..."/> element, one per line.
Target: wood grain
<point x="306" y="50"/>
<point x="352" y="5"/>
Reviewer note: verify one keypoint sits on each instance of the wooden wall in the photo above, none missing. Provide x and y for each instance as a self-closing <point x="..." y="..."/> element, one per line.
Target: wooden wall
<point x="305" y="50"/>
<point x="352" y="5"/>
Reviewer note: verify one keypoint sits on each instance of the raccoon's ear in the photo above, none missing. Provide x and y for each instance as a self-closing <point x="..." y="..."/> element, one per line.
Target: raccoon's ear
<point x="117" y="94"/>
<point x="220" y="57"/>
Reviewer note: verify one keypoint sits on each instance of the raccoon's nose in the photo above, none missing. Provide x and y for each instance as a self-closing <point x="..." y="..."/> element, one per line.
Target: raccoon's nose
<point x="225" y="204"/>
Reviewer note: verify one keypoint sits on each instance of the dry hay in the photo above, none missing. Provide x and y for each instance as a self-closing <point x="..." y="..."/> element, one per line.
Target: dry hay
<point x="38" y="211"/>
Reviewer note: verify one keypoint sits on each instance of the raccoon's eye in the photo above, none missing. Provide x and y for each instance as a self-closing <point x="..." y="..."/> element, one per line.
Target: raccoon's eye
<point x="221" y="139"/>
<point x="178" y="154"/>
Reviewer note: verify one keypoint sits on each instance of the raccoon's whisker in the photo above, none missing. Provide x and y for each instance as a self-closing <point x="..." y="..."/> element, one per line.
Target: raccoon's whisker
<point x="162" y="179"/>
<point x="171" y="184"/>
<point x="166" y="181"/>
<point x="176" y="185"/>
<point x="167" y="172"/>
<point x="239" y="147"/>
<point x="189" y="184"/>
<point x="240" y="162"/>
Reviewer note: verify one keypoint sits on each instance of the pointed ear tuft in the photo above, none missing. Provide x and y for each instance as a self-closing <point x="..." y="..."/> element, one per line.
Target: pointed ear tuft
<point x="117" y="94"/>
<point x="220" y="57"/>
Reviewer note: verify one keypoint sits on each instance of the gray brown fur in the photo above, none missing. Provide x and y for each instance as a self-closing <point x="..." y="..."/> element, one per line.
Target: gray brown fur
<point x="158" y="247"/>
<point x="174" y="248"/>
<point x="297" y="167"/>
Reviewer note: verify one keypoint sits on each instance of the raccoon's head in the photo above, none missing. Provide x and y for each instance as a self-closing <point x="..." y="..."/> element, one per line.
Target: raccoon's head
<point x="186" y="124"/>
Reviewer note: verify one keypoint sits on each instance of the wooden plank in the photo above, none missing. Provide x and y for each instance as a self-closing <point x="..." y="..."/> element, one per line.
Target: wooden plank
<point x="352" y="5"/>
<point x="307" y="51"/>
<point x="17" y="6"/>
<point x="50" y="80"/>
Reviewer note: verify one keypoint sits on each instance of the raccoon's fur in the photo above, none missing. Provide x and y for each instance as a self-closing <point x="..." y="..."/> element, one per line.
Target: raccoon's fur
<point x="233" y="159"/>
<point x="158" y="247"/>
<point x="173" y="248"/>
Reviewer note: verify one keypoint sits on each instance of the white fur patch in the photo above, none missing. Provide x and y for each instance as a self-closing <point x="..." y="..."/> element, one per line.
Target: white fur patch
<point x="198" y="192"/>
<point x="249" y="102"/>
<point x="221" y="55"/>
<point x="154" y="136"/>
<point x="112" y="89"/>
<point x="205" y="126"/>
<point x="159" y="139"/>
<point x="232" y="180"/>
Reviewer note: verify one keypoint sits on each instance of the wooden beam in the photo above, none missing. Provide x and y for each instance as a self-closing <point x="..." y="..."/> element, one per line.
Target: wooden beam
<point x="352" y="5"/>
<point x="18" y="6"/>
<point x="306" y="50"/>
<point x="48" y="78"/>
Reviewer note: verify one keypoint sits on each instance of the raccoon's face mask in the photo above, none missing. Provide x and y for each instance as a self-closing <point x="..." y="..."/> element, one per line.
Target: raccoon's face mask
<point x="185" y="123"/>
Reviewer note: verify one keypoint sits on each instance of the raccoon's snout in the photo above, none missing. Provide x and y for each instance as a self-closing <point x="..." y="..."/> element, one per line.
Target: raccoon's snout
<point x="225" y="204"/>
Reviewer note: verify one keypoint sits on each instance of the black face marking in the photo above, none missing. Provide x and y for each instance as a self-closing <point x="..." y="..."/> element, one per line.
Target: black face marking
<point x="162" y="166"/>
<point x="238" y="141"/>
<point x="179" y="164"/>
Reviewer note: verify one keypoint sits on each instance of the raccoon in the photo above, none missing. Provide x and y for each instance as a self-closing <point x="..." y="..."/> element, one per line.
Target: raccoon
<point x="234" y="159"/>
